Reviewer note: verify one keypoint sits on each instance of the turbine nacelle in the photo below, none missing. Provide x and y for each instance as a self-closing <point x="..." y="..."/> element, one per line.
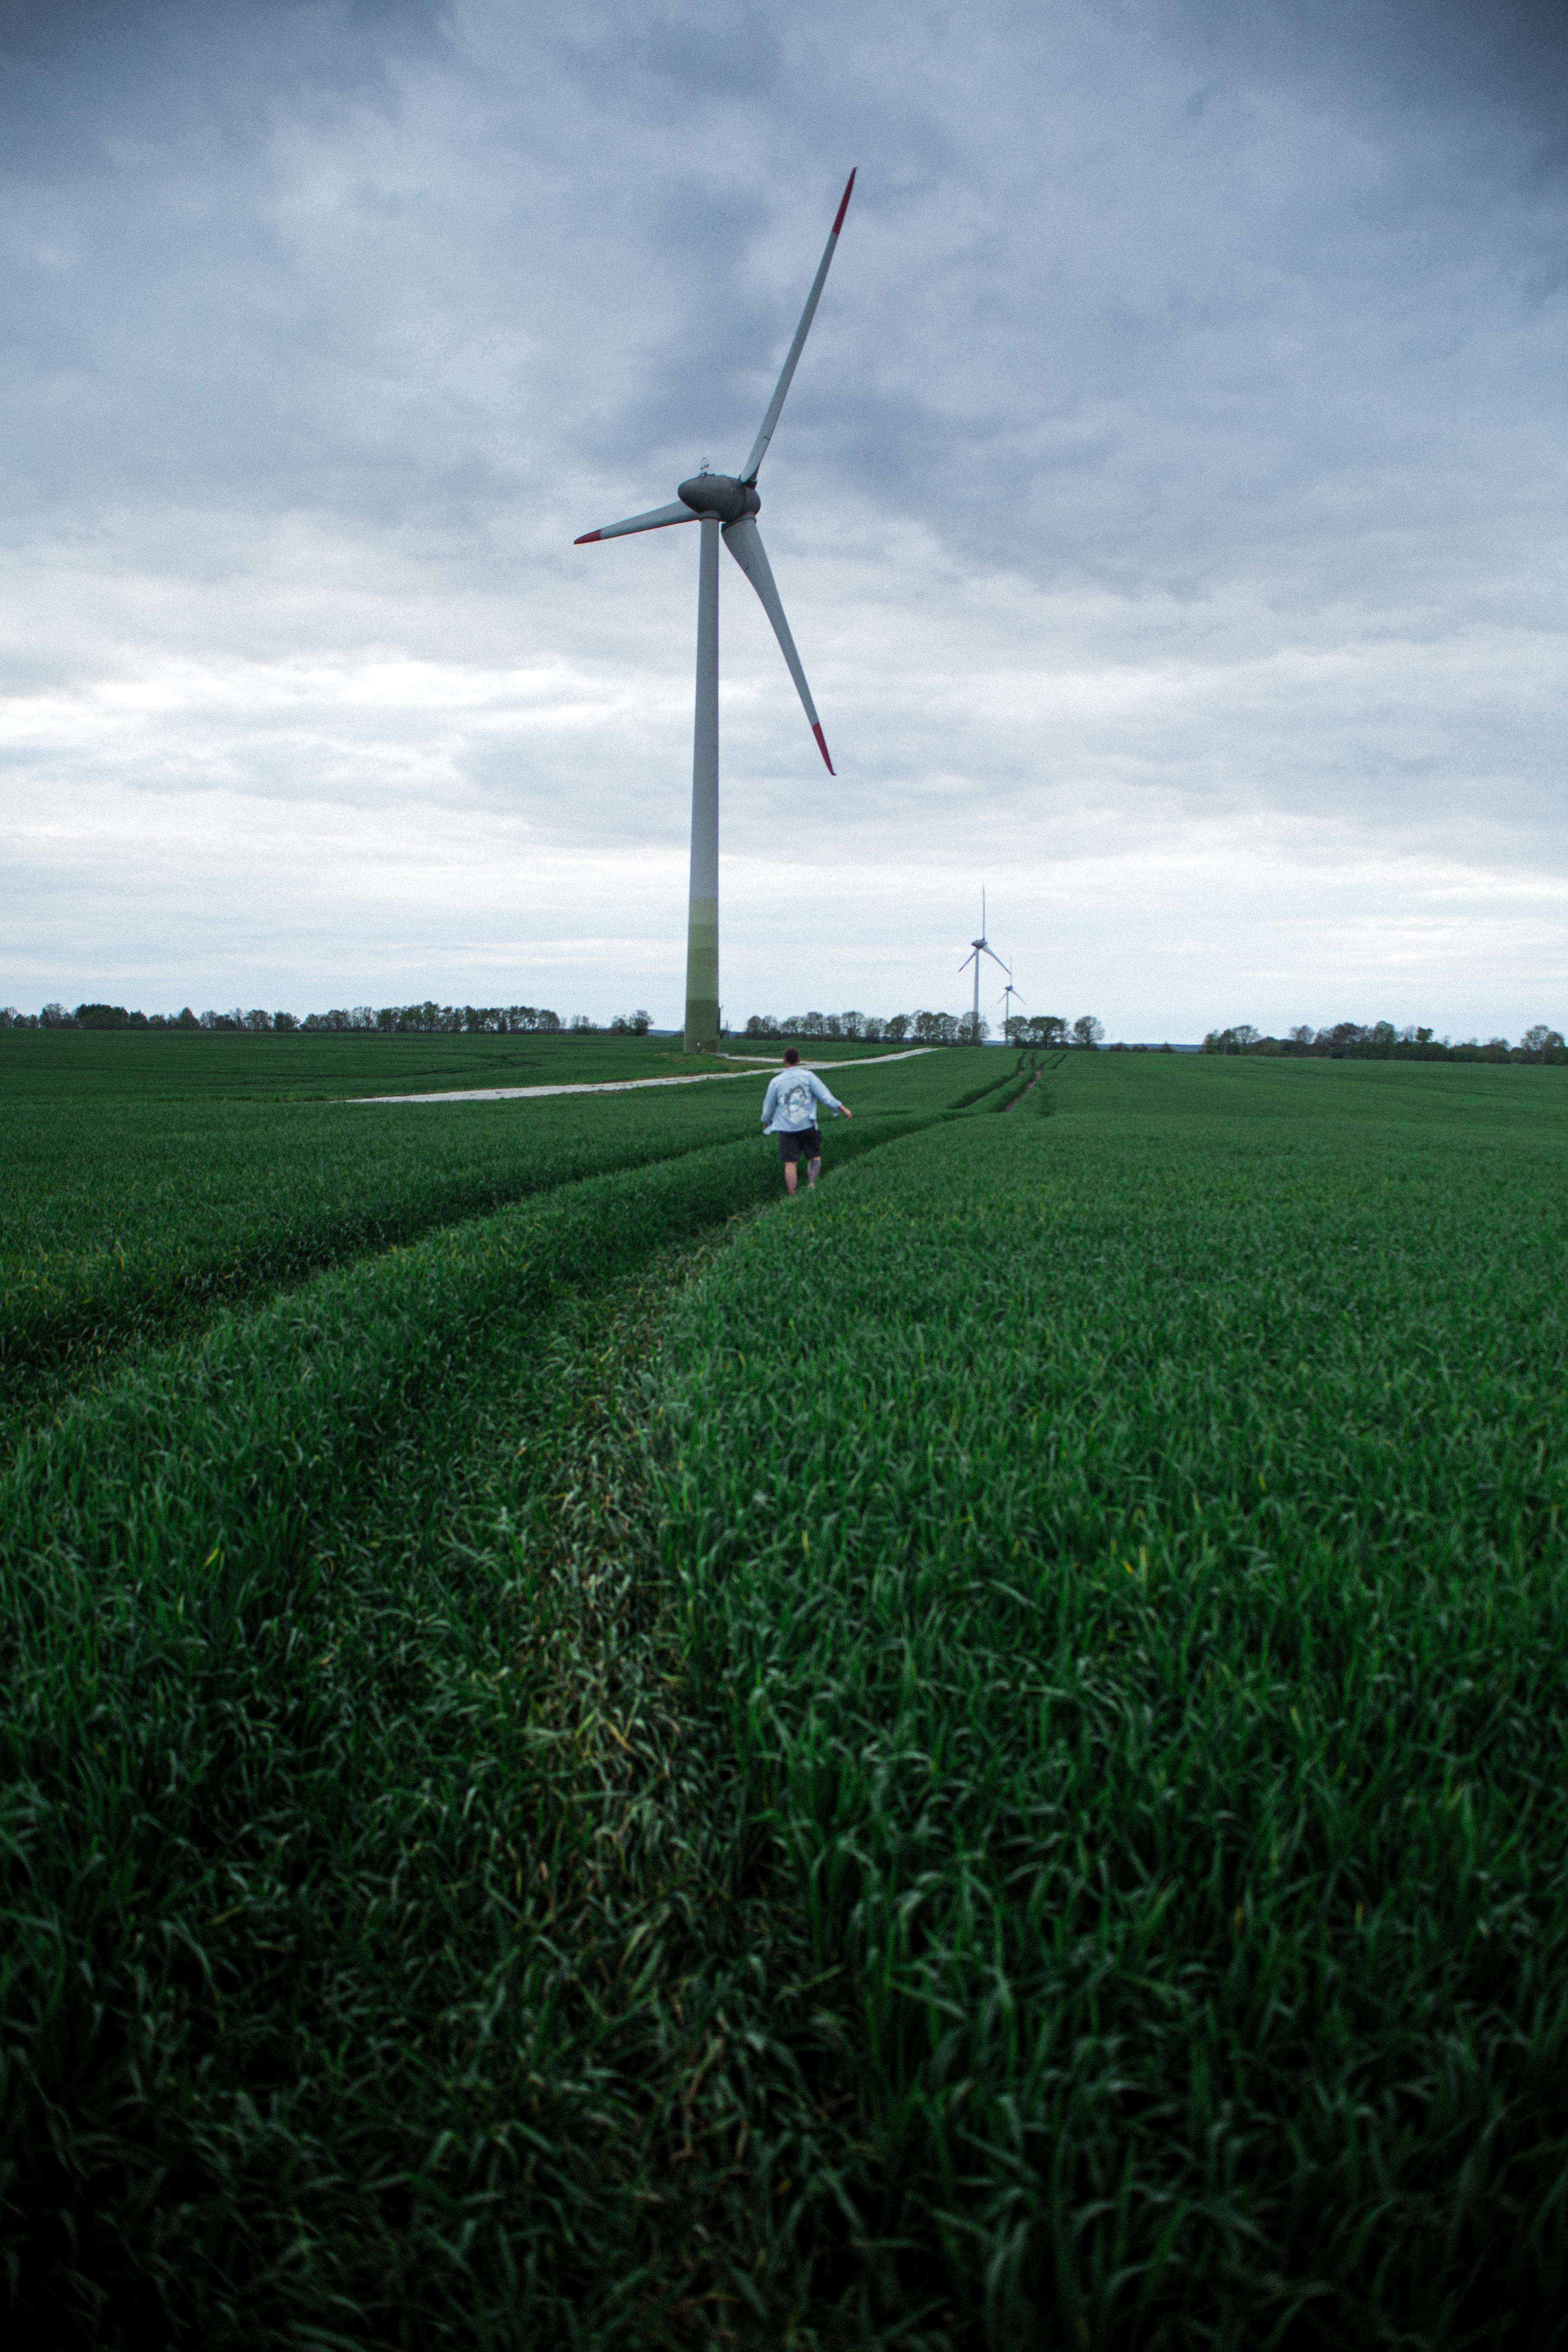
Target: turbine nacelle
<point x="721" y="495"/>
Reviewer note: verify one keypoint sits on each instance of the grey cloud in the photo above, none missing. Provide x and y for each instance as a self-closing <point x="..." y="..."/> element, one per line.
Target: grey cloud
<point x="1507" y="58"/>
<point x="1179" y="436"/>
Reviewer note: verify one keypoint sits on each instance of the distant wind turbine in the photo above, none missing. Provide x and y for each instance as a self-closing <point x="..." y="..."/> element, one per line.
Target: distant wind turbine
<point x="1006" y="1000"/>
<point x="727" y="503"/>
<point x="982" y="946"/>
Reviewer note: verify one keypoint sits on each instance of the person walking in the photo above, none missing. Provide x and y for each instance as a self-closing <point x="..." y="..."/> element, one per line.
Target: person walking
<point x="789" y="1111"/>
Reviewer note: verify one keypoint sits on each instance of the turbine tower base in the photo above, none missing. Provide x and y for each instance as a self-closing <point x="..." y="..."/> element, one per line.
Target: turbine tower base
<point x="702" y="977"/>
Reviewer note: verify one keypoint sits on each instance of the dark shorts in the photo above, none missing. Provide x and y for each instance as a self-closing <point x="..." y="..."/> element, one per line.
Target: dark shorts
<point x="807" y="1145"/>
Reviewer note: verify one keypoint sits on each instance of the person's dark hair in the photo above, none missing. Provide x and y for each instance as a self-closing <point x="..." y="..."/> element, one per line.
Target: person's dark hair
<point x="792" y="1053"/>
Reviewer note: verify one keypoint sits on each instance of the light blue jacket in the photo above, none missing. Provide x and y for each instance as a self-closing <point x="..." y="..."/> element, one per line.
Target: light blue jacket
<point x="789" y="1106"/>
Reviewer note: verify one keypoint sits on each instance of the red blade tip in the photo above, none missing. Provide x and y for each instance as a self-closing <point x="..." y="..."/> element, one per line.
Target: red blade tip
<point x="843" y="204"/>
<point x="587" y="535"/>
<point x="822" y="747"/>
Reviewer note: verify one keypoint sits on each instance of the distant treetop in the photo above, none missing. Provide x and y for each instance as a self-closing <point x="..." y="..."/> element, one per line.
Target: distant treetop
<point x="1381" y="1042"/>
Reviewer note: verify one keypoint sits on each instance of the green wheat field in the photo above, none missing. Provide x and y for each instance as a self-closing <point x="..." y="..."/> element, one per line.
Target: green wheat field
<point x="597" y="1759"/>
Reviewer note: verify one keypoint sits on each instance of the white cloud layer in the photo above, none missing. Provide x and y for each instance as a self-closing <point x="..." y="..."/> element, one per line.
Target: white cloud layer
<point x="1169" y="507"/>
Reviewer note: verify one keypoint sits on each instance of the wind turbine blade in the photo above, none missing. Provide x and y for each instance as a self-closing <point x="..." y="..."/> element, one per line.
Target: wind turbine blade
<point x="744" y="541"/>
<point x="993" y="956"/>
<point x="760" y="446"/>
<point x="657" y="518"/>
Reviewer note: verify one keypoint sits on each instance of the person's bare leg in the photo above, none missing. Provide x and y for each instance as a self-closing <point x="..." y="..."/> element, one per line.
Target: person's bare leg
<point x="813" y="1171"/>
<point x="792" y="1174"/>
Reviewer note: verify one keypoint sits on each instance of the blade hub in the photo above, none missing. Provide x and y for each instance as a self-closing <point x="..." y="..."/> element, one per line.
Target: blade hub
<point x="721" y="495"/>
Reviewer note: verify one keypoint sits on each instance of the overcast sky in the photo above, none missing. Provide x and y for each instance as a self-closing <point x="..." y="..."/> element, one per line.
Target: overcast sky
<point x="1169" y="507"/>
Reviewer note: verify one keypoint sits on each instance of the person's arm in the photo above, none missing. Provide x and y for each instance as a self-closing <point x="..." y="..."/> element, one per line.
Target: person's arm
<point x="820" y="1091"/>
<point x="768" y="1099"/>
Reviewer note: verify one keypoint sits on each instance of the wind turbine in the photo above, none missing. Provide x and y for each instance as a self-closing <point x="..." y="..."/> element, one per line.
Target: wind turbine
<point x="727" y="503"/>
<point x="982" y="946"/>
<point x="1006" y="1000"/>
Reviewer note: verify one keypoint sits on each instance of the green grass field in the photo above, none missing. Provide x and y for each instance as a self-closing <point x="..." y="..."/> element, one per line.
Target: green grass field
<point x="318" y="1066"/>
<point x="164" y="1065"/>
<point x="595" y="1758"/>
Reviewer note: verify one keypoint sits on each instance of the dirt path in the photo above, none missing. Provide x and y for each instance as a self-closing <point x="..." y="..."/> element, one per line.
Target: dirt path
<point x="633" y="1086"/>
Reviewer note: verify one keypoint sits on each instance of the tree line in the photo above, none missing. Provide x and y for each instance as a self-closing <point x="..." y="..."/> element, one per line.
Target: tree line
<point x="1380" y="1041"/>
<point x="1053" y="1029"/>
<point x="428" y="1019"/>
<point x="863" y="1028"/>
<point x="1346" y="1041"/>
<point x="926" y="1028"/>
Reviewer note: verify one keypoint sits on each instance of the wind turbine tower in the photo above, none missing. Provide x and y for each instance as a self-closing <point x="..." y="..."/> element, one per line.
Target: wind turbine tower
<point x="982" y="946"/>
<point x="727" y="504"/>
